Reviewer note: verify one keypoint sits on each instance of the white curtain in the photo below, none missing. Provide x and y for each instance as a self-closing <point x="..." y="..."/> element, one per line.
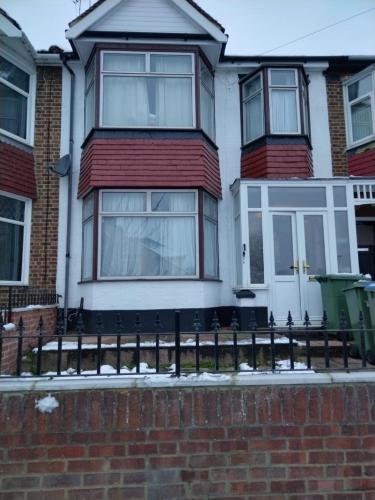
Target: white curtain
<point x="179" y="64"/>
<point x="125" y="101"/>
<point x="124" y="202"/>
<point x="173" y="104"/>
<point x="362" y="119"/>
<point x="284" y="111"/>
<point x="254" y="119"/>
<point x="13" y="111"/>
<point x="173" y="202"/>
<point x="211" y="256"/>
<point x="207" y="112"/>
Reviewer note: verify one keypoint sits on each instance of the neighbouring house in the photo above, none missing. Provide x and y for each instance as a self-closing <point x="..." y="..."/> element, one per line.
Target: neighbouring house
<point x="204" y="181"/>
<point x="30" y="114"/>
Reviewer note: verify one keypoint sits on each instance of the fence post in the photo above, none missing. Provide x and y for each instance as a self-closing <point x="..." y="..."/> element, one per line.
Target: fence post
<point x="9" y="318"/>
<point x="177" y="330"/>
<point x="1" y="339"/>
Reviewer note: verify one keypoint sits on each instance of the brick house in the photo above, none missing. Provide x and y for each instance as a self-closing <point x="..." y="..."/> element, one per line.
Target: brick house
<point x="30" y="115"/>
<point x="206" y="181"/>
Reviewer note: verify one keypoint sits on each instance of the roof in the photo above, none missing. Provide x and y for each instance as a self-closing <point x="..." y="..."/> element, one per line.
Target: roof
<point x="191" y="2"/>
<point x="7" y="16"/>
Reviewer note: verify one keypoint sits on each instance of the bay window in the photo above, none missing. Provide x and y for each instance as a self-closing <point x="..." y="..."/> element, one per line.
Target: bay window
<point x="147" y="90"/>
<point x="149" y="234"/>
<point x="14" y="238"/>
<point x="274" y="102"/>
<point x="14" y="99"/>
<point x="207" y="102"/>
<point x="359" y="94"/>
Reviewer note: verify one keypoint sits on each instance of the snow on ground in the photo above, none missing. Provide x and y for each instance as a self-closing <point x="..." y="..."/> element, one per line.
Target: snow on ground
<point x="8" y="327"/>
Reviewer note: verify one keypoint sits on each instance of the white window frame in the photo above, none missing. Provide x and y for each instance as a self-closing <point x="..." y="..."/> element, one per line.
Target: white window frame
<point x="147" y="213"/>
<point x="246" y="100"/>
<point x="289" y="88"/>
<point x="30" y="119"/>
<point x="147" y="73"/>
<point x="348" y="104"/>
<point x="211" y="93"/>
<point x="26" y="238"/>
<point x="88" y="86"/>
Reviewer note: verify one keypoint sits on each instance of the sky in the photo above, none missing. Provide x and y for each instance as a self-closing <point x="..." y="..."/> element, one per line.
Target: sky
<point x="255" y="27"/>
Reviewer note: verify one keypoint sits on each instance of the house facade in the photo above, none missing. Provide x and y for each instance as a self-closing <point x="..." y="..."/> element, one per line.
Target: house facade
<point x="202" y="181"/>
<point x="30" y="115"/>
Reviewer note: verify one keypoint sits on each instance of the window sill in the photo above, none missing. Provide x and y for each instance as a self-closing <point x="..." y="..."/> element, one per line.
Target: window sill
<point x="148" y="280"/>
<point x="363" y="142"/>
<point x="267" y="139"/>
<point x="15" y="138"/>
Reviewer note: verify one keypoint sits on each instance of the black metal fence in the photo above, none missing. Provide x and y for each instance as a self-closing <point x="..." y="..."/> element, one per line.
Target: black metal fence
<point x="20" y="297"/>
<point x="133" y="351"/>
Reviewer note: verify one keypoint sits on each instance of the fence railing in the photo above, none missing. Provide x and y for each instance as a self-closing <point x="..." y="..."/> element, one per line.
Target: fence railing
<point x="20" y="297"/>
<point x="132" y="351"/>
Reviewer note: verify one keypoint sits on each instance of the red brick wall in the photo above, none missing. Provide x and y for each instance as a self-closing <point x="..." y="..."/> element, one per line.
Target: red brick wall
<point x="17" y="171"/>
<point x="277" y="161"/>
<point x="30" y="320"/>
<point x="153" y="163"/>
<point x="311" y="442"/>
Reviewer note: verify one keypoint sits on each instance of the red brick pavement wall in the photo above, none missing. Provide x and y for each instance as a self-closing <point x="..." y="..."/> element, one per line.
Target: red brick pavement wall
<point x="299" y="442"/>
<point x="30" y="320"/>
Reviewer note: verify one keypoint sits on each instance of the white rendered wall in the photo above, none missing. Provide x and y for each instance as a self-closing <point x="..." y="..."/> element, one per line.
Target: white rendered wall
<point x="320" y="134"/>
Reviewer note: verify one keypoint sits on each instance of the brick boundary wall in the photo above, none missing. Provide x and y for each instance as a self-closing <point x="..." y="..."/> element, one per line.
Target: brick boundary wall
<point x="30" y="318"/>
<point x="279" y="442"/>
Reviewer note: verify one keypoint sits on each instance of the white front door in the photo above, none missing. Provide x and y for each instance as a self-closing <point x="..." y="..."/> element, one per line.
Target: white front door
<point x="299" y="251"/>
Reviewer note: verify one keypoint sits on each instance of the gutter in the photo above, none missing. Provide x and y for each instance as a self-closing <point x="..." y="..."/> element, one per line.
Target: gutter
<point x="70" y="182"/>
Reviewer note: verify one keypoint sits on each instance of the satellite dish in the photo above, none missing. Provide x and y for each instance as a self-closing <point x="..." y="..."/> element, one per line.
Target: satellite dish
<point x="62" y="167"/>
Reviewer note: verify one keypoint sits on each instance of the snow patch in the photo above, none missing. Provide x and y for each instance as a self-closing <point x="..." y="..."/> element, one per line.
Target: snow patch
<point x="47" y="404"/>
<point x="8" y="327"/>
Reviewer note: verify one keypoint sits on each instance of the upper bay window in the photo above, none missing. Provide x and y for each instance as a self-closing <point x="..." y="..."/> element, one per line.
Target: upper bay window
<point x="150" y="90"/>
<point x="359" y="93"/>
<point x="14" y="99"/>
<point x="274" y="102"/>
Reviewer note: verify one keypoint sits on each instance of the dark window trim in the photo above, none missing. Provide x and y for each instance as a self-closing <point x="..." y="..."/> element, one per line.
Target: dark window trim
<point x="264" y="70"/>
<point x="200" y="219"/>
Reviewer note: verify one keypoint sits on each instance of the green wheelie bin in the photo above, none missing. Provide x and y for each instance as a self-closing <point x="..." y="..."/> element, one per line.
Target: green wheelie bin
<point x="334" y="303"/>
<point x="357" y="301"/>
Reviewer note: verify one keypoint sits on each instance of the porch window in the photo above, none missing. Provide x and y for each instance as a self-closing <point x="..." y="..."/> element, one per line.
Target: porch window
<point x="360" y="106"/>
<point x="210" y="227"/>
<point x="14" y="215"/>
<point x="274" y="102"/>
<point x="14" y="98"/>
<point x="87" y="237"/>
<point x="148" y="234"/>
<point x="147" y="90"/>
<point x="342" y="242"/>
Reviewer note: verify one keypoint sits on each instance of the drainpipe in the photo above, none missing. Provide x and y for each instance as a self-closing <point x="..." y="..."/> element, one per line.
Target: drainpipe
<point x="70" y="183"/>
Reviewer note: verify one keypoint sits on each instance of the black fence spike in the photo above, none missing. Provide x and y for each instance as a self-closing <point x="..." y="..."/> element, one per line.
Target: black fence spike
<point x="307" y="321"/>
<point x="252" y="324"/>
<point x="157" y="323"/>
<point x="80" y="324"/>
<point x="40" y="326"/>
<point x="20" y="326"/>
<point x="215" y="324"/>
<point x="234" y="325"/>
<point x="324" y="321"/>
<point x="60" y="322"/>
<point x="289" y="322"/>
<point x="197" y="325"/>
<point x="271" y="322"/>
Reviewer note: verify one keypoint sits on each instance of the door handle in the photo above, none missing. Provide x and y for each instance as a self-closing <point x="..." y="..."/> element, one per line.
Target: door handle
<point x="306" y="267"/>
<point x="295" y="267"/>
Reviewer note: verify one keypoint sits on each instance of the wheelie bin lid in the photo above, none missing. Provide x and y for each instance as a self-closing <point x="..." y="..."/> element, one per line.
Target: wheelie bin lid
<point x="360" y="284"/>
<point x="370" y="286"/>
<point x="346" y="277"/>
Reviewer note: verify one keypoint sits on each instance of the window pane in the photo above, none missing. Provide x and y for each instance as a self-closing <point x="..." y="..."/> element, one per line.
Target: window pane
<point x="238" y="246"/>
<point x="170" y="64"/>
<point x="254" y="199"/>
<point x="123" y="202"/>
<point x="90" y="109"/>
<point x="10" y="208"/>
<point x="256" y="248"/>
<point x="314" y="244"/>
<point x="283" y="245"/>
<point x="11" y="248"/>
<point x="90" y="73"/>
<point x="124" y="63"/>
<point x="148" y="246"/>
<point x="252" y="87"/>
<point x="253" y="118"/>
<point x="283" y="77"/>
<point x="207" y="78"/>
<point x="87" y="249"/>
<point x="14" y="75"/>
<point x="154" y="101"/>
<point x="88" y="207"/>
<point x="361" y="119"/>
<point x="342" y="242"/>
<point x="207" y="112"/>
<point x="363" y="86"/>
<point x="173" y="202"/>
<point x="210" y="206"/>
<point x="297" y="197"/>
<point x="339" y="196"/>
<point x="13" y="111"/>
<point x="211" y="250"/>
<point x="284" y="111"/>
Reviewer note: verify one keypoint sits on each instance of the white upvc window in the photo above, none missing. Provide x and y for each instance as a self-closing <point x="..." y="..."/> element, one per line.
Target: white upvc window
<point x="359" y="96"/>
<point x="15" y="222"/>
<point x="147" y="90"/>
<point x="148" y="234"/>
<point x="16" y="87"/>
<point x="284" y="101"/>
<point x="253" y="116"/>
